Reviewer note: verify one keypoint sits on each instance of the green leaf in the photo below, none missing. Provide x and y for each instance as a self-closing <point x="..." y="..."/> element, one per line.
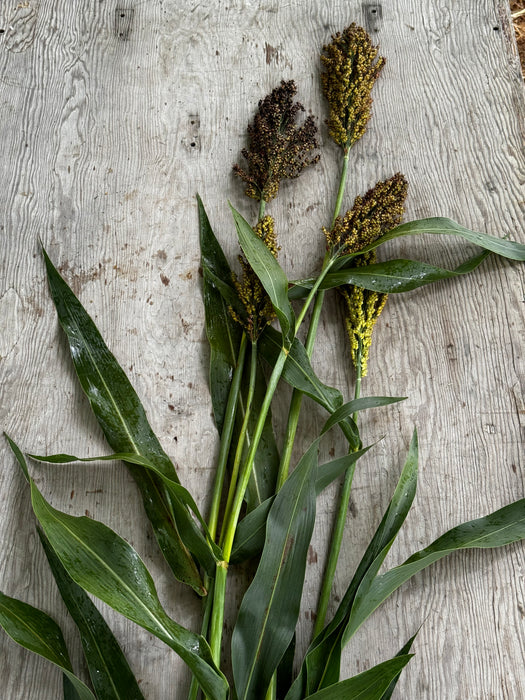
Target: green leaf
<point x="321" y="666"/>
<point x="122" y="419"/>
<point x="270" y="607"/>
<point x="206" y="551"/>
<point x="36" y="631"/>
<point x="357" y="405"/>
<point x="329" y="472"/>
<point x="250" y="533"/>
<point x="442" y="226"/>
<point x="110" y="673"/>
<point x="404" y="650"/>
<point x="495" y="530"/>
<point x="389" y="277"/>
<point x="269" y="272"/>
<point x="19" y="456"/>
<point x="298" y="371"/>
<point x="224" y="334"/>
<point x="105" y="565"/>
<point x="69" y="689"/>
<point x="369" y="685"/>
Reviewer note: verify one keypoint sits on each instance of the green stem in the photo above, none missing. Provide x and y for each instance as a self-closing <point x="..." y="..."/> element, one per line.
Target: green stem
<point x="226" y="436"/>
<point x="219" y="593"/>
<point x="297" y="396"/>
<point x="341" y="190"/>
<point x="242" y="439"/>
<point x="262" y="207"/>
<point x="339" y="526"/>
<point x="217" y="617"/>
<point x="248" y="465"/>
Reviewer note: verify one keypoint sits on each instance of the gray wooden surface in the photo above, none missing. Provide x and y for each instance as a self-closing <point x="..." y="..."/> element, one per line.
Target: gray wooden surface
<point x="112" y="116"/>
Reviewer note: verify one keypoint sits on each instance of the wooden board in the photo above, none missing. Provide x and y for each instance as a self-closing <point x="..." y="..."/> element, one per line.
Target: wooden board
<point x="113" y="115"/>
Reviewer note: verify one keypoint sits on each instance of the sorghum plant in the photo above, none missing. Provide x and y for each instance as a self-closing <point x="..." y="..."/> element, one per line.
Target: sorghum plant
<point x="260" y="508"/>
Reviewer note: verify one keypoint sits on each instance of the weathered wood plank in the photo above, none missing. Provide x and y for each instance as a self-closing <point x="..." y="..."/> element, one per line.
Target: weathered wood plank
<point x="113" y="115"/>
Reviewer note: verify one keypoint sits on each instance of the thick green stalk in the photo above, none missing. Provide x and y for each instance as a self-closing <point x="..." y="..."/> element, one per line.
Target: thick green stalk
<point x="213" y="518"/>
<point x="226" y="436"/>
<point x="297" y="396"/>
<point x="217" y="616"/>
<point x="262" y="207"/>
<point x="217" y="613"/>
<point x="242" y="439"/>
<point x="339" y="526"/>
<point x="244" y="478"/>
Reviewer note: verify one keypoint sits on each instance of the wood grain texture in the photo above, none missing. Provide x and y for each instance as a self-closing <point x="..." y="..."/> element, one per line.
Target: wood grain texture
<point x="113" y="115"/>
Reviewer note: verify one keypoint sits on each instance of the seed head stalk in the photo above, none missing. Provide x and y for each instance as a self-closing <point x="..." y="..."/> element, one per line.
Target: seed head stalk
<point x="297" y="396"/>
<point x="339" y="525"/>
<point x="217" y="616"/>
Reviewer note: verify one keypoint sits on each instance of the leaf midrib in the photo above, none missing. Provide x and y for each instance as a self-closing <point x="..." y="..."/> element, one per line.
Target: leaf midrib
<point x="269" y="606"/>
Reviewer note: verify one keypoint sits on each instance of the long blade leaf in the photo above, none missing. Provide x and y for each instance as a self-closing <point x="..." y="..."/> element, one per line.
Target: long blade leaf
<point x="269" y="272"/>
<point x="443" y="226"/>
<point x="122" y="419"/>
<point x="250" y="533"/>
<point x="36" y="631"/>
<point x="370" y="685"/>
<point x="108" y="668"/>
<point x="357" y="405"/>
<point x="322" y="662"/>
<point x="497" y="529"/>
<point x="391" y="276"/>
<point x="104" y="564"/>
<point x="202" y="547"/>
<point x="224" y="335"/>
<point x="404" y="650"/>
<point x="270" y="608"/>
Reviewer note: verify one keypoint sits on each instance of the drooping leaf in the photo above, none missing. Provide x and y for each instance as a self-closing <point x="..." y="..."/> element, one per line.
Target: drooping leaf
<point x="36" y="631"/>
<point x="391" y="276"/>
<point x="250" y="533"/>
<point x="443" y="226"/>
<point x="108" y="668"/>
<point x="270" y="608"/>
<point x="122" y="419"/>
<point x="497" y="529"/>
<point x="298" y="372"/>
<point x="224" y="334"/>
<point x="370" y="685"/>
<point x="357" y="405"/>
<point x="201" y="546"/>
<point x="104" y="564"/>
<point x="270" y="274"/>
<point x="321" y="666"/>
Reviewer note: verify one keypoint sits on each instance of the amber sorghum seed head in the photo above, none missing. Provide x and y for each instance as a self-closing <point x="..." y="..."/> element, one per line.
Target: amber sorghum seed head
<point x="351" y="67"/>
<point x="257" y="310"/>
